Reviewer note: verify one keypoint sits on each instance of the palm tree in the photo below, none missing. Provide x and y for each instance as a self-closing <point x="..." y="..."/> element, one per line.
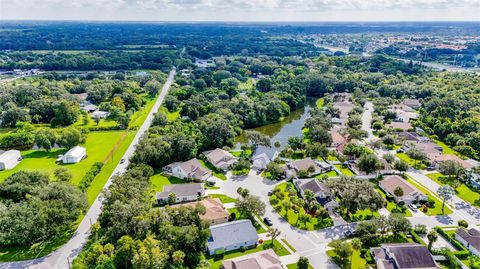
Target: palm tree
<point x="446" y="193"/>
<point x="432" y="237"/>
<point x="273" y="233"/>
<point x="310" y="198"/>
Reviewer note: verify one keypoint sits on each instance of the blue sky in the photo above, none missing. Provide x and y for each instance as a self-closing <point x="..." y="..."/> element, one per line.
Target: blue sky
<point x="242" y="10"/>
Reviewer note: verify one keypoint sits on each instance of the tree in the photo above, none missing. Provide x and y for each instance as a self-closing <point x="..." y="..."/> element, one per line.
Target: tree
<point x="63" y="174"/>
<point x="153" y="87"/>
<point x="250" y="206"/>
<point x="316" y="149"/>
<point x="343" y="251"/>
<point x="243" y="192"/>
<point x="70" y="137"/>
<point x="399" y="223"/>
<point x="310" y="199"/>
<point x="275" y="170"/>
<point x="446" y="193"/>
<point x="273" y="233"/>
<point x="172" y="198"/>
<point x="432" y="237"/>
<point x="356" y="244"/>
<point x="400" y="165"/>
<point x="463" y="223"/>
<point x="304" y="218"/>
<point x="303" y="263"/>
<point x="200" y="84"/>
<point x="398" y="192"/>
<point x="66" y="113"/>
<point x="257" y="138"/>
<point x="450" y="168"/>
<point x="368" y="163"/>
<point x="321" y="135"/>
<point x="417" y="155"/>
<point x="45" y="138"/>
<point x="295" y="142"/>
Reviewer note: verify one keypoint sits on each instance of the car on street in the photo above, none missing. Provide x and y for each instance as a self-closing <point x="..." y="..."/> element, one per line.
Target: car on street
<point x="270" y="193"/>
<point x="267" y="221"/>
<point x="122" y="160"/>
<point x="413" y="207"/>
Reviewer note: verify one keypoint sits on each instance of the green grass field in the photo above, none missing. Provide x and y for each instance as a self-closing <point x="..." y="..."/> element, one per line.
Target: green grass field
<point x="391" y="205"/>
<point x="437" y="210"/>
<point x="357" y="261"/>
<point x="215" y="171"/>
<point x="345" y="171"/>
<point x="463" y="191"/>
<point x="223" y="198"/>
<point x="292" y="217"/>
<point x="137" y="118"/>
<point x="410" y="161"/>
<point x="258" y="227"/>
<point x="171" y="116"/>
<point x="98" y="145"/>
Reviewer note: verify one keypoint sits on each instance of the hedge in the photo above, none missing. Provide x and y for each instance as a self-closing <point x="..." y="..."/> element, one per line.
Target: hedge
<point x="416" y="238"/>
<point x="462" y="253"/>
<point x="90" y="175"/>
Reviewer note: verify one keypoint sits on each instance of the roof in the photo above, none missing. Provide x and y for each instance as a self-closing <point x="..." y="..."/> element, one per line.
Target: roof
<point x="400" y="125"/>
<point x="303" y="164"/>
<point x="181" y="190"/>
<point x="268" y="151"/>
<point x="472" y="236"/>
<point x="194" y="168"/>
<point x="10" y="155"/>
<point x="411" y="102"/>
<point x="266" y="259"/>
<point x="437" y="157"/>
<point x="231" y="233"/>
<point x="344" y="108"/>
<point x="313" y="185"/>
<point x="214" y="208"/>
<point x="390" y="183"/>
<point x="428" y="147"/>
<point x="402" y="107"/>
<point x="410" y="136"/>
<point x="337" y="138"/>
<point x="75" y="152"/>
<point x="408" y="255"/>
<point x="217" y="155"/>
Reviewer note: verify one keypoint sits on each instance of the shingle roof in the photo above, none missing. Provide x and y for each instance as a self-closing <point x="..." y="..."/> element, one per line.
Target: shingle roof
<point x="313" y="185"/>
<point x="269" y="151"/>
<point x="180" y="190"/>
<point x="193" y="168"/>
<point x="403" y="256"/>
<point x="390" y="183"/>
<point x="214" y="208"/>
<point x="231" y="233"/>
<point x="217" y="155"/>
<point x="266" y="259"/>
<point x="472" y="236"/>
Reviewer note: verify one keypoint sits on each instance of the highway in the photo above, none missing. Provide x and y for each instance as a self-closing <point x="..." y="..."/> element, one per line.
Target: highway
<point x="63" y="257"/>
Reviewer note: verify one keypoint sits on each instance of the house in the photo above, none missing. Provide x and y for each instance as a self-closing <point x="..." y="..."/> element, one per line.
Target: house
<point x="413" y="103"/>
<point x="231" y="236"/>
<point x="100" y="114"/>
<point x="344" y="107"/>
<point x="412" y="136"/>
<point x="403" y="256"/>
<point x="266" y="259"/>
<point x="201" y="63"/>
<point x="89" y="108"/>
<point x="322" y="193"/>
<point x="74" y="155"/>
<point x="263" y="156"/>
<point x="293" y="168"/>
<point x="473" y="179"/>
<point x="337" y="121"/>
<point x="470" y="239"/>
<point x="401" y="107"/>
<point x="410" y="193"/>
<point x="9" y="159"/>
<point x="426" y="147"/>
<point x="403" y="126"/>
<point x="215" y="212"/>
<point x="191" y="169"/>
<point x="183" y="192"/>
<point x="437" y="158"/>
<point x="220" y="158"/>
<point x="337" y="138"/>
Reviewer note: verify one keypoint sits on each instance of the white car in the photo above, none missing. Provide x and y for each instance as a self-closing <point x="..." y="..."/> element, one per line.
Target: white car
<point x="413" y="207"/>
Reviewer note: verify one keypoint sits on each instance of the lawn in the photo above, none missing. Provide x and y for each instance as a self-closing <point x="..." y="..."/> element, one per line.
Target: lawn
<point x="345" y="171"/>
<point x="98" y="145"/>
<point x="410" y="161"/>
<point x="292" y="217"/>
<point x="258" y="227"/>
<point x="215" y="171"/>
<point x="294" y="266"/>
<point x="446" y="148"/>
<point x="223" y="198"/>
<point x="288" y="244"/>
<point x="137" y="118"/>
<point x="437" y="210"/>
<point x="238" y="153"/>
<point x="391" y="205"/>
<point x="171" y="116"/>
<point x="331" y="173"/>
<point x="246" y="85"/>
<point x="357" y="261"/>
<point x="463" y="191"/>
<point x="320" y="102"/>
<point x="216" y="261"/>
<point x="106" y="123"/>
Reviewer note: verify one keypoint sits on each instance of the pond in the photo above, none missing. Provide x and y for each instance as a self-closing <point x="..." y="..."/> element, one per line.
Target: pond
<point x="291" y="125"/>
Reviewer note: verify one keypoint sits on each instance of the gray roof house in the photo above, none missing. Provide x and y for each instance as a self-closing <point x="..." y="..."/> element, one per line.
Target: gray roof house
<point x="266" y="259"/>
<point x="403" y="256"/>
<point x="220" y="158"/>
<point x="322" y="193"/>
<point x="470" y="239"/>
<point x="191" y="169"/>
<point x="231" y="236"/>
<point x="293" y="168"/>
<point x="263" y="156"/>
<point x="183" y="192"/>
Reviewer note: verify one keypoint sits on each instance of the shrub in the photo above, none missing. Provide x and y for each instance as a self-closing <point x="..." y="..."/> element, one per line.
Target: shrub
<point x="463" y="223"/>
<point x="90" y="175"/>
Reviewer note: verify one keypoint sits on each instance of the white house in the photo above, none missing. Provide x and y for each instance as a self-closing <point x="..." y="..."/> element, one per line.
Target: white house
<point x="262" y="157"/>
<point x="470" y="239"/>
<point x="191" y="169"/>
<point x="183" y="192"/>
<point x="9" y="159"/>
<point x="100" y="114"/>
<point x="74" y="155"/>
<point x="231" y="236"/>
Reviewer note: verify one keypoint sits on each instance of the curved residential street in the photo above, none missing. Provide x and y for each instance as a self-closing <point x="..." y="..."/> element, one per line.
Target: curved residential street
<point x="63" y="257"/>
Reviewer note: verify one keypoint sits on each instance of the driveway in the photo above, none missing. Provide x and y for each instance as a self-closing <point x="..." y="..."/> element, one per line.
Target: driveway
<point x="63" y="257"/>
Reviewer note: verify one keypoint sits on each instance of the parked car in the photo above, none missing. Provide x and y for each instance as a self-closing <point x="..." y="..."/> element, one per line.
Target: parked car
<point x="413" y="207"/>
<point x="122" y="160"/>
<point x="267" y="221"/>
<point x="211" y="183"/>
<point x="400" y="151"/>
<point x="270" y="193"/>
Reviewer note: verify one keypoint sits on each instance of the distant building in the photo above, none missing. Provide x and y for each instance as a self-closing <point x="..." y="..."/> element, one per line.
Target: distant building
<point x="344" y="107"/>
<point x="183" y="192"/>
<point x="9" y="159"/>
<point x="231" y="236"/>
<point x="403" y="256"/>
<point x="413" y="103"/>
<point x="437" y="158"/>
<point x="410" y="193"/>
<point x="74" y="155"/>
<point x="470" y="239"/>
<point x="191" y="169"/>
<point x="89" y="108"/>
<point x="425" y="147"/>
<point x="337" y="138"/>
<point x="215" y="212"/>
<point x="220" y="158"/>
<point x="263" y="156"/>
<point x="100" y="114"/>
<point x="266" y="259"/>
<point x="403" y="126"/>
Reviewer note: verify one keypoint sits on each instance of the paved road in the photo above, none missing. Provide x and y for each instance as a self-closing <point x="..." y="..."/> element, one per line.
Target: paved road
<point x="367" y="120"/>
<point x="311" y="244"/>
<point x="64" y="256"/>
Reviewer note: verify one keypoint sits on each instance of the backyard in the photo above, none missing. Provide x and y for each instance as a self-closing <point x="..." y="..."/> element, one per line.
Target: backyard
<point x="345" y="170"/>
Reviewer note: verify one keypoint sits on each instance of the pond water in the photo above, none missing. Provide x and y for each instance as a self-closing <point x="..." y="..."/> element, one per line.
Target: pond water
<point x="280" y="131"/>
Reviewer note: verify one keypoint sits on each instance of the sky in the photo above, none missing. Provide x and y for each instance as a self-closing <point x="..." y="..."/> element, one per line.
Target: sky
<point x="242" y="10"/>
